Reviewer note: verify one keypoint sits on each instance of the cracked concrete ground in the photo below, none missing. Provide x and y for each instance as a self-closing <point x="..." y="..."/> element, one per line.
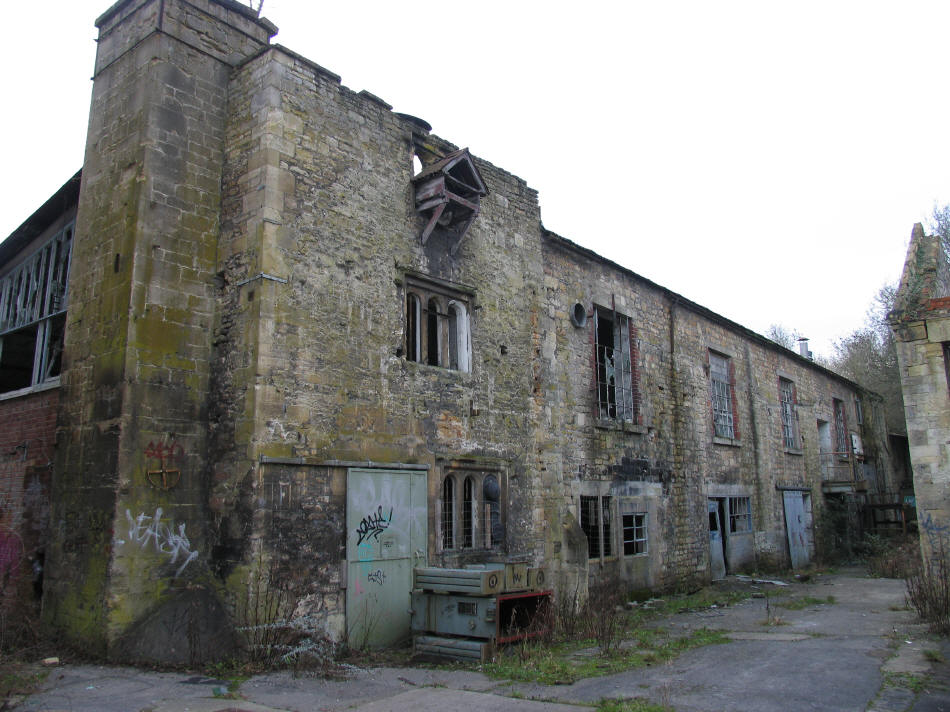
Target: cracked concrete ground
<point x="864" y="651"/>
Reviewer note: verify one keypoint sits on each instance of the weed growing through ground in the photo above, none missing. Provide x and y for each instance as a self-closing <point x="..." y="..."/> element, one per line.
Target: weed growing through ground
<point x="565" y="663"/>
<point x="914" y="683"/>
<point x="637" y="704"/>
<point x="934" y="656"/>
<point x="797" y="604"/>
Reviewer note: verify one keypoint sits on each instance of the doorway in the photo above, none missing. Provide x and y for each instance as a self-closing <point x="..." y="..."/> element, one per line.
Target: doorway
<point x="385" y="538"/>
<point x="798" y="526"/>
<point x="717" y="537"/>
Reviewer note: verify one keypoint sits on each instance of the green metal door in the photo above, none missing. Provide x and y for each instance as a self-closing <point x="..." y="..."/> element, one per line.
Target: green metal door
<point x="385" y="539"/>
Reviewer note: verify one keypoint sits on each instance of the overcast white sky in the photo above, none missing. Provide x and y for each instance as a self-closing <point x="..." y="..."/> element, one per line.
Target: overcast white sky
<point x="764" y="159"/>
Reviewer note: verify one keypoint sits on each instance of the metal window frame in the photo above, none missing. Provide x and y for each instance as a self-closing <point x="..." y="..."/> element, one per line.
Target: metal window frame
<point x="638" y="535"/>
<point x="721" y="395"/>
<point x="35" y="294"/>
<point x="789" y="421"/>
<point x="614" y="368"/>
<point x="740" y="512"/>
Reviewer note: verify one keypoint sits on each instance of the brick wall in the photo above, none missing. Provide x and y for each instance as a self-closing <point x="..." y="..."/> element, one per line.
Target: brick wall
<point x="27" y="439"/>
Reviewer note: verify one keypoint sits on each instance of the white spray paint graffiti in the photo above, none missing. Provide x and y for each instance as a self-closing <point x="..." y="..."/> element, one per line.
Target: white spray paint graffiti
<point x="144" y="529"/>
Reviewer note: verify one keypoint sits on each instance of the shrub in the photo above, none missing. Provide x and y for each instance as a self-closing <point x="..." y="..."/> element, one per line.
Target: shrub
<point x="928" y="583"/>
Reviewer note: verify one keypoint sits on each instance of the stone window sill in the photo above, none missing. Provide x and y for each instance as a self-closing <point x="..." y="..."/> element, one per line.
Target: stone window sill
<point x="794" y="451"/>
<point x="625" y="425"/>
<point x="730" y="442"/>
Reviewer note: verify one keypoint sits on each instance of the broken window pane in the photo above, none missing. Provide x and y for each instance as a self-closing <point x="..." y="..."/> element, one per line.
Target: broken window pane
<point x="614" y="375"/>
<point x="720" y="378"/>
<point x="740" y="514"/>
<point x="789" y="420"/>
<point x="437" y="330"/>
<point x="634" y="534"/>
<point x="33" y="299"/>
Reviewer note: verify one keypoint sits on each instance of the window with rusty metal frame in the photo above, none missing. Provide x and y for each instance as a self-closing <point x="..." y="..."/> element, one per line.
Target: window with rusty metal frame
<point x="740" y="515"/>
<point x="33" y="300"/>
<point x="615" y="376"/>
<point x="596" y="524"/>
<point x="722" y="395"/>
<point x="787" y="399"/>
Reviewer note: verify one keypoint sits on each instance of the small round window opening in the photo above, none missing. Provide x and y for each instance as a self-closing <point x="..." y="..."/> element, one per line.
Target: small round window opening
<point x="579" y="315"/>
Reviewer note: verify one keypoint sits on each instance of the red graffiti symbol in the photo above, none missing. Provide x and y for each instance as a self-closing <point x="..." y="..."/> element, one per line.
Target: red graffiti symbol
<point x="11" y="552"/>
<point x="164" y="477"/>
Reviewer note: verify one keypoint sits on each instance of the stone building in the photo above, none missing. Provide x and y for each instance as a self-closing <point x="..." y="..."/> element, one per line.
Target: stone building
<point x="310" y="345"/>
<point x="921" y="325"/>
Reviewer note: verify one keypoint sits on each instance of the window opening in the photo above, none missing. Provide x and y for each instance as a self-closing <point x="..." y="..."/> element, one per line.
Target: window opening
<point x="437" y="330"/>
<point x="468" y="513"/>
<point x="492" y="494"/>
<point x="789" y="421"/>
<point x="432" y="333"/>
<point x="858" y="410"/>
<point x="448" y="513"/>
<point x="615" y="387"/>
<point x="841" y="439"/>
<point x="720" y="377"/>
<point x="740" y="514"/>
<point x="33" y="300"/>
<point x="595" y="522"/>
<point x="634" y="533"/>
<point x="471" y="518"/>
<point x="413" y="352"/>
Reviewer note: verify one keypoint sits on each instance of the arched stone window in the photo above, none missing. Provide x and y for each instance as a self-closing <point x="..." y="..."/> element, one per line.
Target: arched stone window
<point x="413" y="337"/>
<point x="438" y="329"/>
<point x="433" y="340"/>
<point x="448" y="513"/>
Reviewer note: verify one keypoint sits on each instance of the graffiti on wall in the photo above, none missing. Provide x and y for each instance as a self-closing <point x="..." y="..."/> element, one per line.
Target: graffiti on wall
<point x="167" y="539"/>
<point x="374" y="524"/>
<point x="169" y="456"/>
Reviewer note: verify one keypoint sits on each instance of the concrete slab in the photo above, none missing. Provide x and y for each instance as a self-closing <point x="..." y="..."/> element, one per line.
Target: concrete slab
<point x="440" y="700"/>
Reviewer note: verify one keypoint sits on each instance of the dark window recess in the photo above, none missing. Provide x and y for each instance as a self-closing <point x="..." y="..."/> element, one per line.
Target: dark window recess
<point x="468" y="513"/>
<point x="841" y="428"/>
<point x="432" y="333"/>
<point x="33" y="300"/>
<point x="595" y="522"/>
<point x="413" y="352"/>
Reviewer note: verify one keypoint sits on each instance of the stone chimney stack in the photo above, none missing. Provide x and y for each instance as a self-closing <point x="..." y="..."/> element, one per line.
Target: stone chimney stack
<point x="135" y="383"/>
